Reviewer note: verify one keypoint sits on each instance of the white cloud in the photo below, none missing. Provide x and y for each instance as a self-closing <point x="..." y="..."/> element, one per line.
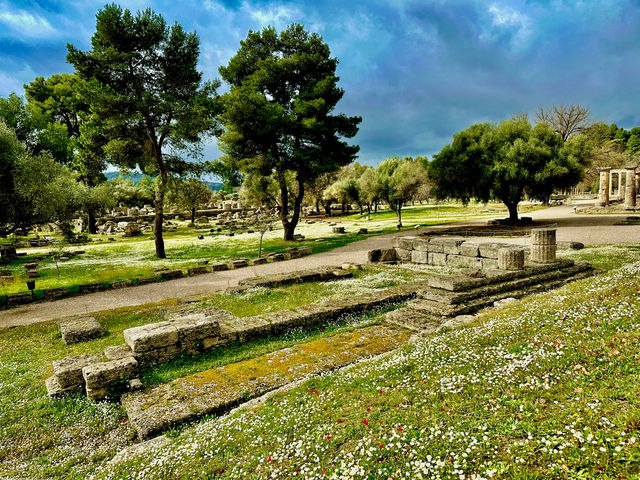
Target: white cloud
<point x="513" y="21"/>
<point x="12" y="81"/>
<point x="26" y="24"/>
<point x="276" y="16"/>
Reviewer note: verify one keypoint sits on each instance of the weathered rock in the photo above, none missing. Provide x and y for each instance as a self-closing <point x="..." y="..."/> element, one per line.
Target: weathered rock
<point x="543" y="253"/>
<point x="151" y="336"/>
<point x="53" y="293"/>
<point x="55" y="390"/>
<point x="19" y="298"/>
<point x="158" y="355"/>
<point x="451" y="246"/>
<point x="388" y="255"/>
<point x="259" y="261"/>
<point x="469" y="249"/>
<point x="80" y="329"/>
<point x="464" y="262"/>
<point x="132" y="229"/>
<point x="418" y="256"/>
<point x="171" y="274"/>
<point x="239" y="262"/>
<point x="373" y="256"/>
<point x="219" y="266"/>
<point x="118" y="352"/>
<point x="91" y="287"/>
<point x="438" y="259"/>
<point x="193" y="329"/>
<point x="68" y="371"/>
<point x="511" y="258"/>
<point x="105" y="374"/>
<point x="543" y="236"/>
<point x="197" y="271"/>
<point x="403" y="254"/>
<point x="338" y="230"/>
<point x="421" y="244"/>
<point x="120" y="284"/>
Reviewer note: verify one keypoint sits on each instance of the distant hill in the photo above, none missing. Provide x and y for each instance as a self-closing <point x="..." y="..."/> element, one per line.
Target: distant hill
<point x="136" y="177"/>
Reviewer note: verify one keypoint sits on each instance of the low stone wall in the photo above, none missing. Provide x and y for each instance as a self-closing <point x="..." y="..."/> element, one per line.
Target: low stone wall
<point x="192" y="333"/>
<point x="312" y="275"/>
<point x="22" y="298"/>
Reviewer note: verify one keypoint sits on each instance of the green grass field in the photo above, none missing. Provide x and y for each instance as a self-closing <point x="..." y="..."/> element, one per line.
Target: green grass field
<point x="542" y="388"/>
<point x="131" y="258"/>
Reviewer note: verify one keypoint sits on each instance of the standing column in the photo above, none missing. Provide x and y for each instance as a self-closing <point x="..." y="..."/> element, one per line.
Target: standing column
<point x="604" y="188"/>
<point x="622" y="185"/>
<point x="543" y="245"/>
<point x="630" y="189"/>
<point x="610" y="183"/>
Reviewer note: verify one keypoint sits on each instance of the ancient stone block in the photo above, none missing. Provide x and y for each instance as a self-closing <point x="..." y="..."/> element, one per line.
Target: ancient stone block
<point x="120" y="284"/>
<point x="239" y="262"/>
<point x="451" y="246"/>
<point x="75" y="330"/>
<point x="403" y="254"/>
<point x="197" y="271"/>
<point x="489" y="264"/>
<point x="248" y="328"/>
<point x="421" y="244"/>
<point x="55" y="390"/>
<point x="570" y="245"/>
<point x="439" y="259"/>
<point x="418" y="256"/>
<point x="374" y="255"/>
<point x="363" y="231"/>
<point x="489" y="250"/>
<point x="193" y="329"/>
<point x="158" y="355"/>
<point x="152" y="336"/>
<point x="104" y="374"/>
<point x="91" y="287"/>
<point x="171" y="274"/>
<point x="145" y="280"/>
<point x="259" y="261"/>
<point x="436" y="245"/>
<point x="388" y="255"/>
<point x="96" y="394"/>
<point x="405" y="242"/>
<point x="276" y="257"/>
<point x="464" y="262"/>
<point x="543" y="253"/>
<point x="19" y="298"/>
<point x="212" y="342"/>
<point x="132" y="229"/>
<point x="304" y="250"/>
<point x="68" y="371"/>
<point x="53" y="293"/>
<point x="219" y="266"/>
<point x="511" y="258"/>
<point x="469" y="249"/>
<point x="135" y="384"/>
<point x="117" y="352"/>
<point x="338" y="230"/>
<point x="543" y="236"/>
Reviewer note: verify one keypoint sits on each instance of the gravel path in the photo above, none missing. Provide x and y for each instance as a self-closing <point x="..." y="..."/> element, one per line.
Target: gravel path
<point x="589" y="229"/>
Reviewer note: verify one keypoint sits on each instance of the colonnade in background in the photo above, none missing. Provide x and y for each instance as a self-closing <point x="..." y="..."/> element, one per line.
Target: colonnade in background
<point x="625" y="187"/>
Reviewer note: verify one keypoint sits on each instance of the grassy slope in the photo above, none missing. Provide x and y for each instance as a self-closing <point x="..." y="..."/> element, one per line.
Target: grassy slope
<point x="544" y="388"/>
<point x="134" y="257"/>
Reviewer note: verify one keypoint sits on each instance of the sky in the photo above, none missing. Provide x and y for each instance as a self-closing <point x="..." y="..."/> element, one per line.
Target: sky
<point x="415" y="71"/>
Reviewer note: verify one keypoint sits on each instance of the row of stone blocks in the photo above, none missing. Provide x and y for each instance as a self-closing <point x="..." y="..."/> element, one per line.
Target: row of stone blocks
<point x="194" y="333"/>
<point x="22" y="298"/>
<point x="452" y="251"/>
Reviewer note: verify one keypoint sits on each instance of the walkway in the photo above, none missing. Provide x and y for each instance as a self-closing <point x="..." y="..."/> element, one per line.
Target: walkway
<point x="589" y="229"/>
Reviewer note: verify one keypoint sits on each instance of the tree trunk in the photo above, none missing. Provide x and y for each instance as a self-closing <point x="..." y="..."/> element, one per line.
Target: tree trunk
<point x="513" y="212"/>
<point x="159" y="206"/>
<point x="91" y="221"/>
<point x="399" y="212"/>
<point x="193" y="215"/>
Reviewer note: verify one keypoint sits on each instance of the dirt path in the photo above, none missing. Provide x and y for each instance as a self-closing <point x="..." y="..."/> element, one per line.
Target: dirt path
<point x="589" y="229"/>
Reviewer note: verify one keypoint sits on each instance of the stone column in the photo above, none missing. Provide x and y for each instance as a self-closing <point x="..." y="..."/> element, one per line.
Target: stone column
<point x="622" y="184"/>
<point x="630" y="189"/>
<point x="604" y="189"/>
<point x="543" y="245"/>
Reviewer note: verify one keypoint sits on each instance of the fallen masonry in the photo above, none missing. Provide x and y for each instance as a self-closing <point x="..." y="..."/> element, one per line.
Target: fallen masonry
<point x="313" y="275"/>
<point x="215" y="391"/>
<point x="199" y="331"/>
<point x="80" y="329"/>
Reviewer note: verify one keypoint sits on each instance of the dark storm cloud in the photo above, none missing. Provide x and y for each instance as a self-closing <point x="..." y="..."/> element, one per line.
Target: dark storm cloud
<point x="416" y="71"/>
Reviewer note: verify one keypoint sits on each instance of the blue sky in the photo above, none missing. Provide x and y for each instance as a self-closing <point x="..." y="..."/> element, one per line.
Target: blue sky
<point x="416" y="71"/>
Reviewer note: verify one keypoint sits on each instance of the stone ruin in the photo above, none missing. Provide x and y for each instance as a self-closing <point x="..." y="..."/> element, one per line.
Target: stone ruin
<point x="625" y="188"/>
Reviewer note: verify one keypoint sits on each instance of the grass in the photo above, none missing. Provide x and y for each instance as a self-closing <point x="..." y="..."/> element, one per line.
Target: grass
<point x="523" y="394"/>
<point x="131" y="258"/>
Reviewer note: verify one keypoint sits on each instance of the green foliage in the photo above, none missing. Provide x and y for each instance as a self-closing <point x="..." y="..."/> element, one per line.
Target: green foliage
<point x="278" y="113"/>
<point x="188" y="193"/>
<point x="144" y="86"/>
<point x="398" y="182"/>
<point x="130" y="194"/>
<point x="507" y="161"/>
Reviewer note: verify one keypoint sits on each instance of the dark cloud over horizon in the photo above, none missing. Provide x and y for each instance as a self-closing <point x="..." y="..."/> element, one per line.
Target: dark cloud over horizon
<point x="416" y="71"/>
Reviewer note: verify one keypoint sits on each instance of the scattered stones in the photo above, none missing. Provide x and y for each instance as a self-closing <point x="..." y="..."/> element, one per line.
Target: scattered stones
<point x="132" y="229"/>
<point x="76" y="330"/>
<point x="315" y="275"/>
<point x="338" y="230"/>
<point x="68" y="372"/>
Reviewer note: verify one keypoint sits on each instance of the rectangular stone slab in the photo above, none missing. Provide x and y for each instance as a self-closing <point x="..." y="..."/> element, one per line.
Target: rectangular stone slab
<point x="103" y="374"/>
<point x="80" y="329"/>
<point x="68" y="371"/>
<point x="149" y="337"/>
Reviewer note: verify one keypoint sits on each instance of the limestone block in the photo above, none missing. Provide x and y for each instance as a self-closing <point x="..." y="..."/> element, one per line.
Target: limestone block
<point x="363" y="231"/>
<point x="120" y="284"/>
<point x="219" y="266"/>
<point x="239" y="262"/>
<point x="158" y="355"/>
<point x="68" y="371"/>
<point x="438" y="259"/>
<point x="418" y="256"/>
<point x="464" y="262"/>
<point x="135" y="384"/>
<point x="145" y="280"/>
<point x="543" y="236"/>
<point x="406" y="242"/>
<point x="436" y="245"/>
<point x="103" y="374"/>
<point x="570" y="245"/>
<point x="19" y="298"/>
<point x="53" y="293"/>
<point x="248" y="328"/>
<point x="403" y="254"/>
<point x="388" y="255"/>
<point x="76" y="330"/>
<point x="171" y="274"/>
<point x="55" y="390"/>
<point x="543" y="253"/>
<point x="259" y="261"/>
<point x="489" y="250"/>
<point x="338" y="230"/>
<point x="304" y="250"/>
<point x="152" y="336"/>
<point x="276" y="257"/>
<point x="373" y="255"/>
<point x="91" y="287"/>
<point x="511" y="259"/>
<point x="421" y="244"/>
<point x="489" y="264"/>
<point x="451" y="246"/>
<point x="195" y="328"/>
<point x="96" y="394"/>
<point x="117" y="352"/>
<point x="212" y="342"/>
<point x="197" y="271"/>
<point x="469" y="249"/>
<point x="284" y="320"/>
